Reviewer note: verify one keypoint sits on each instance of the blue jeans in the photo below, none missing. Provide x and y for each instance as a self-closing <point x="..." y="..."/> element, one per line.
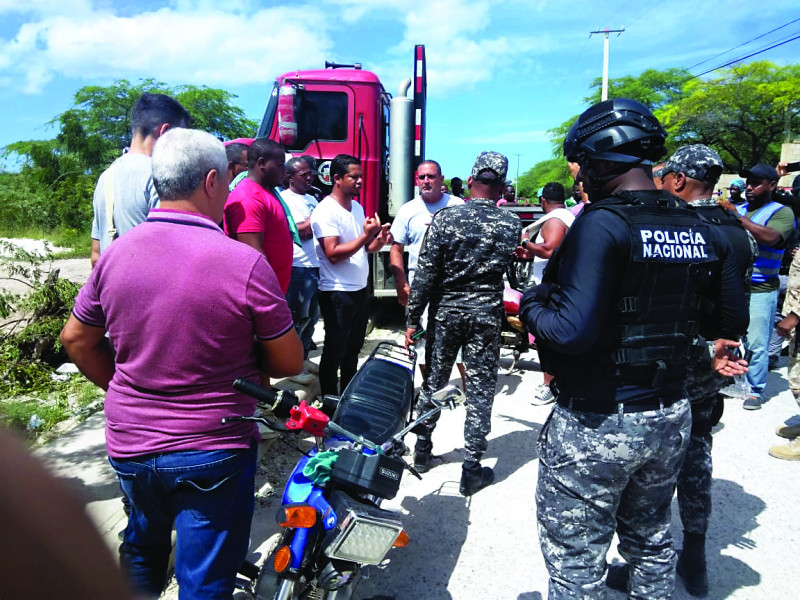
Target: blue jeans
<point x="209" y="496"/>
<point x="763" y="306"/>
<point x="302" y="298"/>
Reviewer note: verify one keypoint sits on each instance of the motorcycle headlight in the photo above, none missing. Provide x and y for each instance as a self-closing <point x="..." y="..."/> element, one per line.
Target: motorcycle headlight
<point x="363" y="538"/>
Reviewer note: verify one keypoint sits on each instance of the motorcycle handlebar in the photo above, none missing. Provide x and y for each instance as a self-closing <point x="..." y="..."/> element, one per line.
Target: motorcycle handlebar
<point x="280" y="402"/>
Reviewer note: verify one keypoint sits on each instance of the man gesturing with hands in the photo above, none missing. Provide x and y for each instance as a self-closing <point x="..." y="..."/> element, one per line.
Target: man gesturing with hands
<point x="344" y="236"/>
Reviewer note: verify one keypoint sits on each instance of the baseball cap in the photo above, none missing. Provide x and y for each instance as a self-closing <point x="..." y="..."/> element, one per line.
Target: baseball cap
<point x="738" y="183"/>
<point x="491" y="161"/>
<point x="796" y="186"/>
<point x="761" y="172"/>
<point x="696" y="161"/>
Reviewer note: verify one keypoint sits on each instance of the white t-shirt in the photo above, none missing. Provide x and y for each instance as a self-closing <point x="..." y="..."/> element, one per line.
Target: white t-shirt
<point x="329" y="219"/>
<point x="301" y="207"/>
<point x="533" y="230"/>
<point x="411" y="223"/>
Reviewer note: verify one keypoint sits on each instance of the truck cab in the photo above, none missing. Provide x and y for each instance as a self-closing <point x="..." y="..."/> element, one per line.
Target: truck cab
<point x="344" y="109"/>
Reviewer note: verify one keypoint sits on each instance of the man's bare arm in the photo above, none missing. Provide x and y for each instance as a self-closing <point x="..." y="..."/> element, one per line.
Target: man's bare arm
<point x="254" y="240"/>
<point x="304" y="229"/>
<point x="95" y="251"/>
<point x="763" y="235"/>
<point x="553" y="233"/>
<point x="399" y="273"/>
<point x="283" y="356"/>
<point x="88" y="348"/>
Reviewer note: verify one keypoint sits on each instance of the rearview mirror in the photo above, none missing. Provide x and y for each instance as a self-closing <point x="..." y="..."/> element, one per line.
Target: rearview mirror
<point x="449" y="395"/>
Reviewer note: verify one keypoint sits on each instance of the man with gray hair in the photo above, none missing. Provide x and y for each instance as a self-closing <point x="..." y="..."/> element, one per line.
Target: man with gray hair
<point x="188" y="311"/>
<point x="460" y="276"/>
<point x="303" y="292"/>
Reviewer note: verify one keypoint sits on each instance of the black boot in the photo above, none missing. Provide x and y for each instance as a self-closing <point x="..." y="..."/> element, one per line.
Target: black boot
<point x="423" y="454"/>
<point x="692" y="564"/>
<point x="474" y="478"/>
<point x="617" y="577"/>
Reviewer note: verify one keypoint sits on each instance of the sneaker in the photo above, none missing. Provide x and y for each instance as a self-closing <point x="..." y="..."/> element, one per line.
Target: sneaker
<point x="474" y="479"/>
<point x="773" y="362"/>
<point x="311" y="367"/>
<point x="788" y="431"/>
<point x="544" y="395"/>
<point x="752" y="402"/>
<point x="790" y="451"/>
<point x="617" y="577"/>
<point x="303" y="377"/>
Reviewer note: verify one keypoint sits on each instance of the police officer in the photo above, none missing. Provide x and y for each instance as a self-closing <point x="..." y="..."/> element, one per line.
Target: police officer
<point x="460" y="275"/>
<point x="616" y="319"/>
<point x="692" y="174"/>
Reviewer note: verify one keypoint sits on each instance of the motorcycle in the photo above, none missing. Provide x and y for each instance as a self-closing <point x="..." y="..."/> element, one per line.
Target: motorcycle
<point x="333" y="528"/>
<point x="513" y="334"/>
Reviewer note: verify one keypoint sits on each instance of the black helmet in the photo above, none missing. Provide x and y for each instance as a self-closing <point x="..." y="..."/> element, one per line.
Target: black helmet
<point x="619" y="130"/>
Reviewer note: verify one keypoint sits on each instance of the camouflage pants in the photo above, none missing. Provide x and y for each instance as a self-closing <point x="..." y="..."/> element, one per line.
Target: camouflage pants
<point x="600" y="473"/>
<point x="694" y="478"/>
<point x="794" y="368"/>
<point x="479" y="336"/>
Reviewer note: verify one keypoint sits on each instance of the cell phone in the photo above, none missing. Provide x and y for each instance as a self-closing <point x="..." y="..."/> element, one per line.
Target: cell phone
<point x="417" y="334"/>
<point x="792" y="166"/>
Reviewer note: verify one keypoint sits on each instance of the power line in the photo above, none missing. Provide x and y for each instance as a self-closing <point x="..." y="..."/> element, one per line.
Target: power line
<point x="740" y="59"/>
<point x="744" y="44"/>
<point x="645" y="13"/>
<point x="619" y="10"/>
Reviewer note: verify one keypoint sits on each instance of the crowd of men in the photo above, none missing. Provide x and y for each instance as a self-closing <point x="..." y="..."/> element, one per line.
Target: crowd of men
<point x="215" y="262"/>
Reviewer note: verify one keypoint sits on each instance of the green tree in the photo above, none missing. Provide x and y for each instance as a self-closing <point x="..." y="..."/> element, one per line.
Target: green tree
<point x="744" y="113"/>
<point x="553" y="169"/>
<point x="54" y="185"/>
<point x="656" y="89"/>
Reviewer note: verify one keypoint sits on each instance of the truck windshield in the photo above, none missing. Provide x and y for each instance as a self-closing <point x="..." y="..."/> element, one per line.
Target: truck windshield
<point x="320" y="116"/>
<point x="269" y="114"/>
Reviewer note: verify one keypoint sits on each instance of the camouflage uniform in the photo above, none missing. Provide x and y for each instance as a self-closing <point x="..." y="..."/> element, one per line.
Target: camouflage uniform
<point x="601" y="472"/>
<point x="792" y="305"/>
<point x="604" y="462"/>
<point x="702" y="387"/>
<point x="694" y="478"/>
<point x="460" y="274"/>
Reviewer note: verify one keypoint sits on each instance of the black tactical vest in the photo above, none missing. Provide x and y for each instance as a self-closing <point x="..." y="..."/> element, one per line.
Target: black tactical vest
<point x="652" y="333"/>
<point x="744" y="246"/>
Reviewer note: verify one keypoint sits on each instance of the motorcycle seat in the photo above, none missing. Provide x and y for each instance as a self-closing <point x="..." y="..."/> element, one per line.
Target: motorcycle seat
<point x="377" y="401"/>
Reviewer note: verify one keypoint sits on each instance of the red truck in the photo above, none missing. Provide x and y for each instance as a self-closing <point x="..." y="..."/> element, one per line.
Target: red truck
<point x="344" y="109"/>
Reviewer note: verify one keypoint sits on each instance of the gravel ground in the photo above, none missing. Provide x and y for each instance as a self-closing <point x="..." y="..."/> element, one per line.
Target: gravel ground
<point x="486" y="546"/>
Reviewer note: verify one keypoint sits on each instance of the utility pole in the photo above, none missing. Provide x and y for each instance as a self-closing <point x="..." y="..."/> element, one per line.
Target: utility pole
<point x="516" y="181"/>
<point x="604" y="94"/>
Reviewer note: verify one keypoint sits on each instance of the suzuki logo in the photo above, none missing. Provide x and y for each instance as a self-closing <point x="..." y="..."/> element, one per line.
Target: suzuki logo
<point x="390" y="474"/>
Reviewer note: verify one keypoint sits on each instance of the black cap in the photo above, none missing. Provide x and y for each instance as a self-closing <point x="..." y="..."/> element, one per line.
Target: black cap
<point x="761" y="172"/>
<point x="796" y="186"/>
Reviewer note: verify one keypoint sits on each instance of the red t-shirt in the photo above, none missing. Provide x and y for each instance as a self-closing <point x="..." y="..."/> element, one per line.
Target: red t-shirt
<point x="252" y="209"/>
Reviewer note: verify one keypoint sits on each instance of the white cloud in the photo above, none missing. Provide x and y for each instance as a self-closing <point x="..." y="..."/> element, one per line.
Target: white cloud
<point x="203" y="46"/>
<point x="461" y="46"/>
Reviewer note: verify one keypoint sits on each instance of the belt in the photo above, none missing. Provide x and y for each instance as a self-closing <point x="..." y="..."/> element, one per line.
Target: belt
<point x="610" y="408"/>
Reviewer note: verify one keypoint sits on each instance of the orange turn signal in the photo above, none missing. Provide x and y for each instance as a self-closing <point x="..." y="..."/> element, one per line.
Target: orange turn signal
<point x="302" y="516"/>
<point x="282" y="558"/>
<point x="401" y="541"/>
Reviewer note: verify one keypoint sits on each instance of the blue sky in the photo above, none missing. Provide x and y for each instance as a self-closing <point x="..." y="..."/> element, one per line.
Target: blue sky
<point x="500" y="72"/>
